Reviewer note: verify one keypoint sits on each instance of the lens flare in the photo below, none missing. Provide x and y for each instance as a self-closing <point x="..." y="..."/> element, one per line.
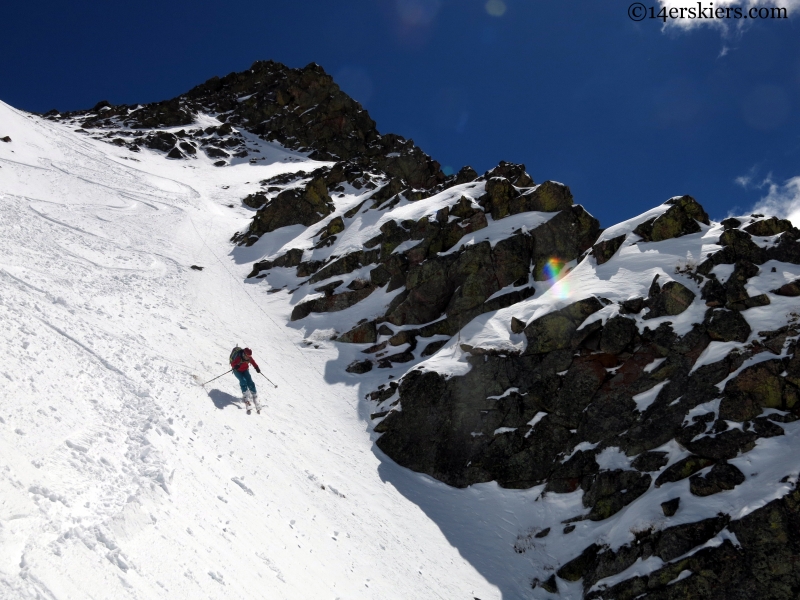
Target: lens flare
<point x="554" y="271"/>
<point x="496" y="8"/>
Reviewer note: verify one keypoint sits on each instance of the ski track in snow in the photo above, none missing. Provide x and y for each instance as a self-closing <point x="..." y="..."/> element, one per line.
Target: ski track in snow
<point x="121" y="478"/>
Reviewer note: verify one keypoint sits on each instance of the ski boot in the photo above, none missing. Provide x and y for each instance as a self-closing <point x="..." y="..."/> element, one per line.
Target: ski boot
<point x="246" y="397"/>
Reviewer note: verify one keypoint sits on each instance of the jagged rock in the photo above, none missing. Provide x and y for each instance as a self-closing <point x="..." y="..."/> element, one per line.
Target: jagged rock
<point x="722" y="477"/>
<point x="603" y="251"/>
<point x="6" y="139"/>
<point x="366" y="333"/>
<point x="670" y="507"/>
<point x="727" y="326"/>
<point x="175" y="153"/>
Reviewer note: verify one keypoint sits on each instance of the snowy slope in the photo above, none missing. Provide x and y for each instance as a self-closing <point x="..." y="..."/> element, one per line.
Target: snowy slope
<point x="121" y="478"/>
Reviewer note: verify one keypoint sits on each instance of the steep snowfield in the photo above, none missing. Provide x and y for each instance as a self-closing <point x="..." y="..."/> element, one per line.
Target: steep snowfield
<point x="122" y="478"/>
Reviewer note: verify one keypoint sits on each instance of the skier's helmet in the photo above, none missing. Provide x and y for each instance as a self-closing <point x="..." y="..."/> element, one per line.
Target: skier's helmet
<point x="248" y="353"/>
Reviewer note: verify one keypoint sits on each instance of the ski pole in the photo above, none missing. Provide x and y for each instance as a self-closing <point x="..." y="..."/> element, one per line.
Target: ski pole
<point x="218" y="376"/>
<point x="267" y="378"/>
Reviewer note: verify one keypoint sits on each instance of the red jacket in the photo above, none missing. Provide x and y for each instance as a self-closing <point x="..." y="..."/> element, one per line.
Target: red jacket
<point x="241" y="363"/>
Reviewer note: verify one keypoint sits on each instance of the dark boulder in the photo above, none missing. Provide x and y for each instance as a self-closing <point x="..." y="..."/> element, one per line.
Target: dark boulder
<point x="668" y="300"/>
<point x="603" y="251"/>
<point x="359" y="367"/>
<point x="768" y="227"/>
<point x="613" y="490"/>
<point x="303" y="206"/>
<point x="722" y="477"/>
<point x="670" y="507"/>
<point x="648" y="462"/>
<point x="680" y="219"/>
<point x="682" y="469"/>
<point x="754" y="389"/>
<point x="555" y="331"/>
<point x="727" y="326"/>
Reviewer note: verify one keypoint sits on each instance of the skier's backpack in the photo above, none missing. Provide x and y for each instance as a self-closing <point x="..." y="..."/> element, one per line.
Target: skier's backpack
<point x="236" y="356"/>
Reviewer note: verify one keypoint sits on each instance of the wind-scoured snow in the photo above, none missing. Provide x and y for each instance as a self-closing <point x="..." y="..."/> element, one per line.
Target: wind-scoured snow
<point x="120" y="476"/>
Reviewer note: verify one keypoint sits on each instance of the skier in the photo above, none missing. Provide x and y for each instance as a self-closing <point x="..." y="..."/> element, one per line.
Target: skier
<point x="241" y="359"/>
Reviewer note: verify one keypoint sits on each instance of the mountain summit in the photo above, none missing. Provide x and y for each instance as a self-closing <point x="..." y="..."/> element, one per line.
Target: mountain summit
<point x="614" y="410"/>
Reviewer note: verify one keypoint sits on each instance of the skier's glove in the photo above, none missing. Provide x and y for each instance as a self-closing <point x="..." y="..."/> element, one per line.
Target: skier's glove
<point x="258" y="370"/>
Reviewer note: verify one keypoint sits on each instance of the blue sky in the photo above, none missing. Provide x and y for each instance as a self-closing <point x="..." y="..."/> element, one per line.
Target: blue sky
<point x="626" y="113"/>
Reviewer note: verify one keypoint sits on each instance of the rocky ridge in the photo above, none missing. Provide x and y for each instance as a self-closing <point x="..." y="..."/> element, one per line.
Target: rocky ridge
<point x="643" y="378"/>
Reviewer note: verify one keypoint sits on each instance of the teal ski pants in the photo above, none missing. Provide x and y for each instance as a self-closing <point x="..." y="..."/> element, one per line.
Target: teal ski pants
<point x="245" y="381"/>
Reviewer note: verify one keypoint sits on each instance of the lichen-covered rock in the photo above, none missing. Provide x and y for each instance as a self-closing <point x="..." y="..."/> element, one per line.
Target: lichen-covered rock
<point x="755" y="388"/>
<point x="681" y="218"/>
<point x="768" y="227"/>
<point x="549" y="196"/>
<point x="682" y="469"/>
